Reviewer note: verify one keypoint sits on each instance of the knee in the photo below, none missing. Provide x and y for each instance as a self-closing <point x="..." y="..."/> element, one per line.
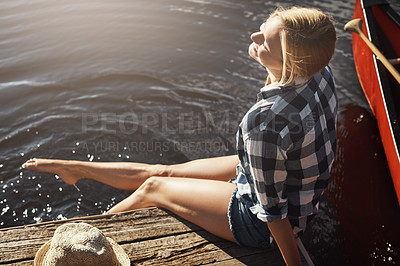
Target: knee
<point x="160" y="170"/>
<point x="151" y="185"/>
<point x="147" y="194"/>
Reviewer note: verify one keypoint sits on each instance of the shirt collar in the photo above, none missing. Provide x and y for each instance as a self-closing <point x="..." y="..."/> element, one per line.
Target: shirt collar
<point x="274" y="89"/>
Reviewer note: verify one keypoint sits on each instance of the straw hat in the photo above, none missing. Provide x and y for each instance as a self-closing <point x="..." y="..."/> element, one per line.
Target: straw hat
<point x="80" y="244"/>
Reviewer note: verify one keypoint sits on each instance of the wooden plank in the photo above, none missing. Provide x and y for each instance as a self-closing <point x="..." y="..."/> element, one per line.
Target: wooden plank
<point x="194" y="249"/>
<point x="21" y="263"/>
<point x="22" y="242"/>
<point x="149" y="236"/>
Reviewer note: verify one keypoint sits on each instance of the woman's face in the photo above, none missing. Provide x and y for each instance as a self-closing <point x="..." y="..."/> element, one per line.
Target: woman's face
<point x="266" y="47"/>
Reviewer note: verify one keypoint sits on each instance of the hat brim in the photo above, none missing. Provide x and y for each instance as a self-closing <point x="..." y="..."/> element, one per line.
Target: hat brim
<point x="121" y="255"/>
<point x="41" y="253"/>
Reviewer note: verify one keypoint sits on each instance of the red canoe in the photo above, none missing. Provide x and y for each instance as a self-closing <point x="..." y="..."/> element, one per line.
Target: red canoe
<point x="381" y="24"/>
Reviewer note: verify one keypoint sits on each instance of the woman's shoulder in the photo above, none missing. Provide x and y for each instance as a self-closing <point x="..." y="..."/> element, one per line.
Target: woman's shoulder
<point x="289" y="105"/>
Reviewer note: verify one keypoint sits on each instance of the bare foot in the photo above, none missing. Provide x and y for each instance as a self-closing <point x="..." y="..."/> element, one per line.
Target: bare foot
<point x="59" y="167"/>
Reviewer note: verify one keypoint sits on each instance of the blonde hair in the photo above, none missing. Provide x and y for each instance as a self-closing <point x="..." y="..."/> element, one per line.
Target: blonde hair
<point x="308" y="42"/>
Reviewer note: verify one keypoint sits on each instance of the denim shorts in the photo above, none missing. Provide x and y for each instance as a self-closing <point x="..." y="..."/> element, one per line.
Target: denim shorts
<point x="246" y="228"/>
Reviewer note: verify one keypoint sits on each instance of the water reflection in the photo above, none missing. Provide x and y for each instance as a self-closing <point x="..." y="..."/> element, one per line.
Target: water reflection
<point x="362" y="192"/>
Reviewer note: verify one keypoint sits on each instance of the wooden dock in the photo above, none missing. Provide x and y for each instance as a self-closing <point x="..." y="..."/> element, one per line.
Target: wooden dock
<point x="149" y="236"/>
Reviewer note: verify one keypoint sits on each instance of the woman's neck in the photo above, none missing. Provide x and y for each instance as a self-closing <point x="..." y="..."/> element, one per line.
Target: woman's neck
<point x="274" y="76"/>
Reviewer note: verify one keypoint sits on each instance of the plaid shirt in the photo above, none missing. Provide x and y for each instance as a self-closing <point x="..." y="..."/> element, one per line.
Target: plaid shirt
<point x="286" y="145"/>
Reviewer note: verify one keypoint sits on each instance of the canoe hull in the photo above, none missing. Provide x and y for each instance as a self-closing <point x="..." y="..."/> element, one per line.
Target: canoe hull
<point x="376" y="82"/>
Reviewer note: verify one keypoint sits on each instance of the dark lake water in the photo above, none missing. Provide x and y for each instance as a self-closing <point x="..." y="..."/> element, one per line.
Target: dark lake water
<point x="166" y="81"/>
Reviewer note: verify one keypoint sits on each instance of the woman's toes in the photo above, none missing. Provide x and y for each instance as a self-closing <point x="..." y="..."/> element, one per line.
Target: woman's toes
<point x="30" y="164"/>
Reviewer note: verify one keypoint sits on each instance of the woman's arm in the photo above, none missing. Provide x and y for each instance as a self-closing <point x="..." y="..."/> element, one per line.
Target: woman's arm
<point x="283" y="234"/>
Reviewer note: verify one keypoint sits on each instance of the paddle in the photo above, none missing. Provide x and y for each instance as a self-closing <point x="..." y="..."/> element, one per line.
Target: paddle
<point x="394" y="61"/>
<point x="355" y="26"/>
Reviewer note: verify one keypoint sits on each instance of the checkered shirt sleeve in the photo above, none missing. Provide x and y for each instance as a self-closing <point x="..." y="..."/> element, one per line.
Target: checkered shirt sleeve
<point x="267" y="166"/>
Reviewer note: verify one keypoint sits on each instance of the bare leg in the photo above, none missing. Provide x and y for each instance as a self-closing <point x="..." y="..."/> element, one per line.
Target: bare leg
<point x="202" y="202"/>
<point x="129" y="176"/>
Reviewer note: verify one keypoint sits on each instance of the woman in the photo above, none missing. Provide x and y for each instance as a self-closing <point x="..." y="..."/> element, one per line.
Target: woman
<point x="285" y="142"/>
